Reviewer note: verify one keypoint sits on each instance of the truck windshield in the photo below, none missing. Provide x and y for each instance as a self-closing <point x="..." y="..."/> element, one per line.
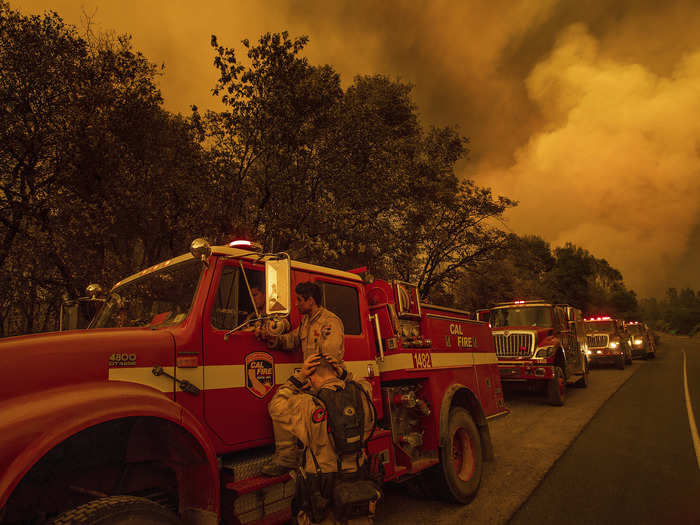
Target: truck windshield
<point x="600" y="326"/>
<point x="524" y="316"/>
<point x="160" y="298"/>
<point x="635" y="329"/>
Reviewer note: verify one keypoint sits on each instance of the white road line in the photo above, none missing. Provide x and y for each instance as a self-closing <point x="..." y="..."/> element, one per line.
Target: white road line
<point x="691" y="417"/>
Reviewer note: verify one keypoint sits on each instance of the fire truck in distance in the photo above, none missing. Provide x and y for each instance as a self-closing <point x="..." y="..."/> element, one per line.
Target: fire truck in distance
<point x="158" y="411"/>
<point x="537" y="346"/>
<point x="643" y="341"/>
<point x="607" y="341"/>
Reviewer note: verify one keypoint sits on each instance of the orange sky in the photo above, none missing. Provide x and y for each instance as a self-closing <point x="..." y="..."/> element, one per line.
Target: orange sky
<point x="585" y="111"/>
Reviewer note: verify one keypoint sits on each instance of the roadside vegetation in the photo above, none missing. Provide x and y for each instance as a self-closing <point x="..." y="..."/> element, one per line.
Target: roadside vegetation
<point x="98" y="180"/>
<point x="677" y="313"/>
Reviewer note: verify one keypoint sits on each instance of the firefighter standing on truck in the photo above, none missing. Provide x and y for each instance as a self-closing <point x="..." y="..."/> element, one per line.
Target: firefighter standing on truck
<point x="333" y="422"/>
<point x="320" y="331"/>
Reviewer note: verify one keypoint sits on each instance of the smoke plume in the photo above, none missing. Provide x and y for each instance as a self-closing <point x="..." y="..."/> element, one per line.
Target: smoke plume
<point x="585" y="112"/>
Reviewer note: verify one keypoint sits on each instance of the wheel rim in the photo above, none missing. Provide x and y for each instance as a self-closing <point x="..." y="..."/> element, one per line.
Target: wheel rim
<point x="463" y="454"/>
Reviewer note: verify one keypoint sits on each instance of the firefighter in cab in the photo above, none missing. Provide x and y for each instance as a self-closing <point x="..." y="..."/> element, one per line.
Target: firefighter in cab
<point x="332" y="421"/>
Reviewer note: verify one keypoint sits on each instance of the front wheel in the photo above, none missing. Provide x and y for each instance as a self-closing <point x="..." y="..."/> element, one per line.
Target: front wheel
<point x="459" y="474"/>
<point x="621" y="362"/>
<point x="118" y="510"/>
<point x="556" y="388"/>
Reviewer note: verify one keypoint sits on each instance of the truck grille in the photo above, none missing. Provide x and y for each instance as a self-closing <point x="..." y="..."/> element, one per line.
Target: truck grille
<point x="510" y="346"/>
<point x="597" y="341"/>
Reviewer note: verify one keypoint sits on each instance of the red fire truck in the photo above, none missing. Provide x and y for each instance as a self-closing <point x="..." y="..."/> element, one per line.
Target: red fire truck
<point x="536" y="345"/>
<point x="608" y="341"/>
<point x="158" y="411"/>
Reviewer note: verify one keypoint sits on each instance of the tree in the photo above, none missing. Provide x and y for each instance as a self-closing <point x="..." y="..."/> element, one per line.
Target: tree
<point x="526" y="268"/>
<point x="265" y="145"/>
<point x="96" y="179"/>
<point x="455" y="232"/>
<point x="344" y="178"/>
<point x="679" y="312"/>
<point x="570" y="278"/>
<point x="518" y="270"/>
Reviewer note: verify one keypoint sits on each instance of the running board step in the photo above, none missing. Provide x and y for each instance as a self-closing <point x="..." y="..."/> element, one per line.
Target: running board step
<point x="248" y="485"/>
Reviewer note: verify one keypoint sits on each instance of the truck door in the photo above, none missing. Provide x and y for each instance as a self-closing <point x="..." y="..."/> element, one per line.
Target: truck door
<point x="240" y="372"/>
<point x="573" y="363"/>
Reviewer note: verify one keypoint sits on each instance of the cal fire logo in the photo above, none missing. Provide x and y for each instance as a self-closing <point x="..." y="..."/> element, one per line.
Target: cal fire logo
<point x="259" y="373"/>
<point x="318" y="415"/>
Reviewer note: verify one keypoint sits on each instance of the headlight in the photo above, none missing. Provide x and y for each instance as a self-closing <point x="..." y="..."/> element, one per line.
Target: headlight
<point x="613" y="344"/>
<point x="547" y="351"/>
<point x="638" y="341"/>
<point x="588" y="352"/>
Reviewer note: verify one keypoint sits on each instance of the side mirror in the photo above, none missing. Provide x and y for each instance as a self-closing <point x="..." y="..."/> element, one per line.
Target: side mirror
<point x="483" y="315"/>
<point x="278" y="282"/>
<point x="94" y="291"/>
<point x="201" y="250"/>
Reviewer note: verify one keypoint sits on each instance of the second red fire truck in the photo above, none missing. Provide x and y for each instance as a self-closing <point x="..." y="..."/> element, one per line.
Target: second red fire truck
<point x="538" y="345"/>
<point x="158" y="411"/>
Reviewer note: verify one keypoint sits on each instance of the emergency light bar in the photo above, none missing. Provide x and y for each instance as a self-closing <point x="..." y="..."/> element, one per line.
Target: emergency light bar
<point x="606" y="318"/>
<point x="520" y="302"/>
<point x="246" y="245"/>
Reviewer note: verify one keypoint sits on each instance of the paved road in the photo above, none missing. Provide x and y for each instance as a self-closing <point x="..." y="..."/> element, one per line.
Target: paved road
<point x="527" y="443"/>
<point x="635" y="462"/>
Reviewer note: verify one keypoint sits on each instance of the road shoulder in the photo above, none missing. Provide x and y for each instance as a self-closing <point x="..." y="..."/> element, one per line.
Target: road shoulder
<point x="527" y="443"/>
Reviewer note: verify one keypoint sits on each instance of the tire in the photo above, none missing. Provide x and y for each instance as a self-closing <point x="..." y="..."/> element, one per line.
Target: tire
<point x="651" y="355"/>
<point x="118" y="510"/>
<point x="585" y="379"/>
<point x="556" y="388"/>
<point x="458" y="476"/>
<point x="621" y="363"/>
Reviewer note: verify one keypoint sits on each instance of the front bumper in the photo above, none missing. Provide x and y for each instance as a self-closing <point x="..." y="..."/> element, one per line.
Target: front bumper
<point x="639" y="350"/>
<point x="525" y="371"/>
<point x="606" y="355"/>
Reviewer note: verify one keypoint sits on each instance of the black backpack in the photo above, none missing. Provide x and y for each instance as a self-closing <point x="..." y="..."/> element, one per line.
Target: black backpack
<point x="351" y="495"/>
<point x="345" y="414"/>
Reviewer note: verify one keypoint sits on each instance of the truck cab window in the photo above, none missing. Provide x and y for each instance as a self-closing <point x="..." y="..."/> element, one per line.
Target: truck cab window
<point x="156" y="299"/>
<point x="233" y="304"/>
<point x="343" y="302"/>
